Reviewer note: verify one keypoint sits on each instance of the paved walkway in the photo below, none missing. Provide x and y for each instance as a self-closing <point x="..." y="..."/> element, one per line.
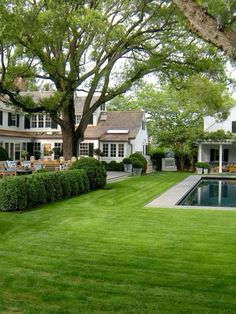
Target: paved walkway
<point x="171" y="197"/>
<point x="117" y="175"/>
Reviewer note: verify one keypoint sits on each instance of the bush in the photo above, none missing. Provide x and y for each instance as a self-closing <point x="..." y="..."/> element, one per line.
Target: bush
<point x="113" y="165"/>
<point x="141" y="158"/>
<point x="94" y="169"/>
<point x="127" y="161"/>
<point x="13" y="194"/>
<point x="3" y="154"/>
<point x="137" y="163"/>
<point x="18" y="193"/>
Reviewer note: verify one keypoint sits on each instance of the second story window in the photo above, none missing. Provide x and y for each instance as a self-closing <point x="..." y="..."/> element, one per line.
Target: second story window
<point x="77" y="118"/>
<point x="41" y="121"/>
<point x="13" y="119"/>
<point x="103" y="107"/>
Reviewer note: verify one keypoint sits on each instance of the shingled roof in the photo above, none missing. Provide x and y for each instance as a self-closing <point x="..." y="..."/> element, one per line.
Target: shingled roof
<point x="118" y="120"/>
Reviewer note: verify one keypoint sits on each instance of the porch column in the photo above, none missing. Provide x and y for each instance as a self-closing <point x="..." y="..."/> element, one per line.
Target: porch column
<point x="199" y="157"/>
<point x="220" y="158"/>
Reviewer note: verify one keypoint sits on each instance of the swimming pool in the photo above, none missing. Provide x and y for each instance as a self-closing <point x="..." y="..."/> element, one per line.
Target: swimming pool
<point x="215" y="192"/>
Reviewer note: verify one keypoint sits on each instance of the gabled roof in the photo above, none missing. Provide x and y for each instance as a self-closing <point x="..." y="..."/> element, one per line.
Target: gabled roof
<point x="118" y="120"/>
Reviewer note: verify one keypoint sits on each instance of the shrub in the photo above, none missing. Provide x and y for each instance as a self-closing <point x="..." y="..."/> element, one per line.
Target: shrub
<point x="113" y="165"/>
<point x="13" y="194"/>
<point x="21" y="192"/>
<point x="127" y="161"/>
<point x="94" y="169"/>
<point x="141" y="158"/>
<point x="137" y="163"/>
<point x="3" y="154"/>
<point x="201" y="164"/>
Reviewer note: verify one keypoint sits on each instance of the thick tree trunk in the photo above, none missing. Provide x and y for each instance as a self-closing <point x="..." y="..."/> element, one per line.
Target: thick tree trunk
<point x="70" y="138"/>
<point x="205" y="26"/>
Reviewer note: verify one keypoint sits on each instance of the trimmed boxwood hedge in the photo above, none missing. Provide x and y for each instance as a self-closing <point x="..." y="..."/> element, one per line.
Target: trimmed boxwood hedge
<point x="94" y="169"/>
<point x="22" y="192"/>
<point x="141" y="158"/>
<point x="113" y="165"/>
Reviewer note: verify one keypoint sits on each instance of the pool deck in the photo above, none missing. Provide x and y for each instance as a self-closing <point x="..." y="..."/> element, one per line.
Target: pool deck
<point x="171" y="197"/>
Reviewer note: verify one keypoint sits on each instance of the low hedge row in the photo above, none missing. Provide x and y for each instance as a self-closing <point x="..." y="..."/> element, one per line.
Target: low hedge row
<point x="113" y="165"/>
<point x="22" y="192"/>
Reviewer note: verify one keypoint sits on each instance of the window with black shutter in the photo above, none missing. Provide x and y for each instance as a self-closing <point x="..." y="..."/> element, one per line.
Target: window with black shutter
<point x="27" y="122"/>
<point x="9" y="118"/>
<point x="0" y="117"/>
<point x="91" y="149"/>
<point x="226" y="155"/>
<point x="90" y="119"/>
<point x="18" y="120"/>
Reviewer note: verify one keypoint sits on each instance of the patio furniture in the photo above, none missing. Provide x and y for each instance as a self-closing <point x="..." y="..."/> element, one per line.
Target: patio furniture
<point x="7" y="168"/>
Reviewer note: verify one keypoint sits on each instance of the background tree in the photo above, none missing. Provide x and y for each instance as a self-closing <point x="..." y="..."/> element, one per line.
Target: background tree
<point x="92" y="46"/>
<point x="175" y="117"/>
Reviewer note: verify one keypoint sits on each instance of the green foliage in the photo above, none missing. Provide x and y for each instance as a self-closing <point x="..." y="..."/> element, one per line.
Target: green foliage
<point x="127" y="161"/>
<point x="13" y="194"/>
<point x="3" y="154"/>
<point x="113" y="165"/>
<point x="21" y="192"/>
<point x="156" y="155"/>
<point x="137" y="163"/>
<point x="141" y="158"/>
<point x="201" y="164"/>
<point x="217" y="136"/>
<point x="94" y="169"/>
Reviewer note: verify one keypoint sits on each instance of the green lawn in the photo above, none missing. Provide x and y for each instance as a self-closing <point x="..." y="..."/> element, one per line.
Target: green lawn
<point x="104" y="252"/>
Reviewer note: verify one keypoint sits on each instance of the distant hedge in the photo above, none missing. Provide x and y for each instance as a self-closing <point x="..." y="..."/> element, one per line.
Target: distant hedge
<point x="113" y="165"/>
<point x="22" y="192"/>
<point x="94" y="169"/>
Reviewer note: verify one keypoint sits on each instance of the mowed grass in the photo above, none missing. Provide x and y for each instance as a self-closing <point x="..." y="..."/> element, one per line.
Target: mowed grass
<point x="104" y="252"/>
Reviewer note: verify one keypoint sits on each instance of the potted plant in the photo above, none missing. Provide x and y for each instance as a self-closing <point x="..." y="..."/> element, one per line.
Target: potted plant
<point x="205" y="167"/>
<point x="200" y="166"/>
<point x="127" y="164"/>
<point x="137" y="167"/>
<point x="24" y="154"/>
<point x="98" y="153"/>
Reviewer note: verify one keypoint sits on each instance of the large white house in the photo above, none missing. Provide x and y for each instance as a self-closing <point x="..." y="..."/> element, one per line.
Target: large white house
<point x="117" y="134"/>
<point x="219" y="152"/>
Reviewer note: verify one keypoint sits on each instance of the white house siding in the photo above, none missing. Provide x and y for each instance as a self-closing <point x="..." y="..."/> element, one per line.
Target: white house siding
<point x="206" y="148"/>
<point x="140" y="142"/>
<point x="211" y="125"/>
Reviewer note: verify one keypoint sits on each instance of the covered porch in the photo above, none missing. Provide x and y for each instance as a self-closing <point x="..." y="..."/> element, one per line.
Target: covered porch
<point x="219" y="154"/>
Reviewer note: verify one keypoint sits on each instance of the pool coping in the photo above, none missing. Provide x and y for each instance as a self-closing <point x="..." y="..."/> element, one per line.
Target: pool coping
<point x="172" y="196"/>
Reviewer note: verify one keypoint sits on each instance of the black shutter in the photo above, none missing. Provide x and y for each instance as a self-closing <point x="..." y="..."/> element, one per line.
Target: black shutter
<point x="226" y="155"/>
<point x="212" y="154"/>
<point x="30" y="148"/>
<point x="0" y="117"/>
<point x="9" y="118"/>
<point x="91" y="150"/>
<point x="18" y="120"/>
<point x="233" y="126"/>
<point x="53" y="124"/>
<point x="27" y="122"/>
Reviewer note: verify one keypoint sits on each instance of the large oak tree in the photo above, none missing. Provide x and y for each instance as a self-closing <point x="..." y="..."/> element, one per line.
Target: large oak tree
<point x="94" y="46"/>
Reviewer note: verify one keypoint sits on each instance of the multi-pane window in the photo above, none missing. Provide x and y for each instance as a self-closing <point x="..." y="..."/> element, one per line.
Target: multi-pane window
<point x="40" y="120"/>
<point x="84" y="149"/>
<point x="47" y="121"/>
<point x="34" y="121"/>
<point x="120" y="150"/>
<point x="17" y="151"/>
<point x="105" y="150"/>
<point x="13" y="119"/>
<point x="77" y="118"/>
<point x="113" y="150"/>
<point x="37" y="147"/>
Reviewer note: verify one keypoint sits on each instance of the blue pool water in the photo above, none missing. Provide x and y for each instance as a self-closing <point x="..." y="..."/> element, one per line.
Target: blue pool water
<point x="212" y="192"/>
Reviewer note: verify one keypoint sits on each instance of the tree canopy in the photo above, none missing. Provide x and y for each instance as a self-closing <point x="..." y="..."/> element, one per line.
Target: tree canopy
<point x="93" y="46"/>
<point x="175" y="117"/>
